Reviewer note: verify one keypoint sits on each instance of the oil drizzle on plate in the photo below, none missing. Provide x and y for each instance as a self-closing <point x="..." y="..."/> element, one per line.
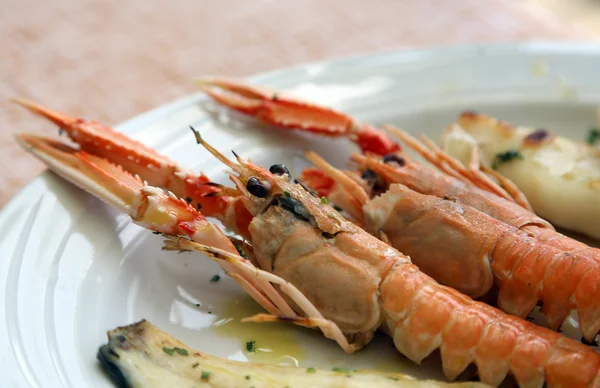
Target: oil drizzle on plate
<point x="274" y="343"/>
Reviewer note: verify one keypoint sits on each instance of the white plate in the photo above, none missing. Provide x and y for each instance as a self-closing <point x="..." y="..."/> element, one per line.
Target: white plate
<point x="71" y="268"/>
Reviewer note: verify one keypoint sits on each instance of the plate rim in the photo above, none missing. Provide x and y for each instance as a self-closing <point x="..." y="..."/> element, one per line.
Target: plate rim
<point x="396" y="54"/>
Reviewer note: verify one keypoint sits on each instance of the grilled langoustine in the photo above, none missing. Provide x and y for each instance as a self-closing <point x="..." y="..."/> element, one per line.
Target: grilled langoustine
<point x="498" y="239"/>
<point x="310" y="266"/>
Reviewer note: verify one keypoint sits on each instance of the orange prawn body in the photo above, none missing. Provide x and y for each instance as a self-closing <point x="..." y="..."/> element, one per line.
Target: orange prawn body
<point x="475" y="251"/>
<point x="363" y="284"/>
<point x="464" y="236"/>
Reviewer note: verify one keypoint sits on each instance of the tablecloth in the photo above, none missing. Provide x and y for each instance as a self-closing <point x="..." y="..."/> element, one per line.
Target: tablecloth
<point x="110" y="60"/>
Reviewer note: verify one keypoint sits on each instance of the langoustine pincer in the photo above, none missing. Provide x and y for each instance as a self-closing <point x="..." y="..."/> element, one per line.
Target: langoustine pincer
<point x="531" y="261"/>
<point x="329" y="273"/>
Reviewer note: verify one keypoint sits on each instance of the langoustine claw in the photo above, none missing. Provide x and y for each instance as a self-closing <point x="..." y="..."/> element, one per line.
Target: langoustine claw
<point x="152" y="167"/>
<point x="277" y="109"/>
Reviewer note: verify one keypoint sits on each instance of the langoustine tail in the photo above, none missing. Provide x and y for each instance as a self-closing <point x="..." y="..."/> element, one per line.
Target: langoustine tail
<point x="529" y="271"/>
<point x="423" y="316"/>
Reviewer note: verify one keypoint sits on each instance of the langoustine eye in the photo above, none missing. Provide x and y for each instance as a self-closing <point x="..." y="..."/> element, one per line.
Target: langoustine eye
<point x="257" y="188"/>
<point x="279" y="169"/>
<point x="393" y="158"/>
<point x="374" y="180"/>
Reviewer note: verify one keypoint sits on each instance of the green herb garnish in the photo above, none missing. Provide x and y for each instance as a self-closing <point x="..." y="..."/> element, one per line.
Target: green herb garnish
<point x="311" y="370"/>
<point x="215" y="278"/>
<point x="337" y="208"/>
<point x="287" y="194"/>
<point x="205" y="375"/>
<point x="195" y="365"/>
<point x="593" y="136"/>
<point x="154" y="232"/>
<point x="504" y="157"/>
<point x="182" y="352"/>
<point x="247" y="377"/>
<point x="324" y="200"/>
<point x="240" y="250"/>
<point x="251" y="346"/>
<point x="342" y="370"/>
<point x="170" y="351"/>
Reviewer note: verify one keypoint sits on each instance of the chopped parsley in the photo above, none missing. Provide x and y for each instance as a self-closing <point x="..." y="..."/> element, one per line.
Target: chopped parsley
<point x="215" y="278"/>
<point x="311" y="370"/>
<point x="197" y="304"/>
<point x="205" y="375"/>
<point x="593" y="136"/>
<point x="251" y="346"/>
<point x="170" y="351"/>
<point x="247" y="377"/>
<point x="504" y="157"/>
<point x="287" y="194"/>
<point x="182" y="352"/>
<point x="342" y="370"/>
<point x="337" y="208"/>
<point x="324" y="200"/>
<point x="195" y="365"/>
<point x="240" y="250"/>
<point x="154" y="232"/>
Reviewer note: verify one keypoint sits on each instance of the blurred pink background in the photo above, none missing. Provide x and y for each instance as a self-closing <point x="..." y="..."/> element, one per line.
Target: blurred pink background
<point x="110" y="60"/>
